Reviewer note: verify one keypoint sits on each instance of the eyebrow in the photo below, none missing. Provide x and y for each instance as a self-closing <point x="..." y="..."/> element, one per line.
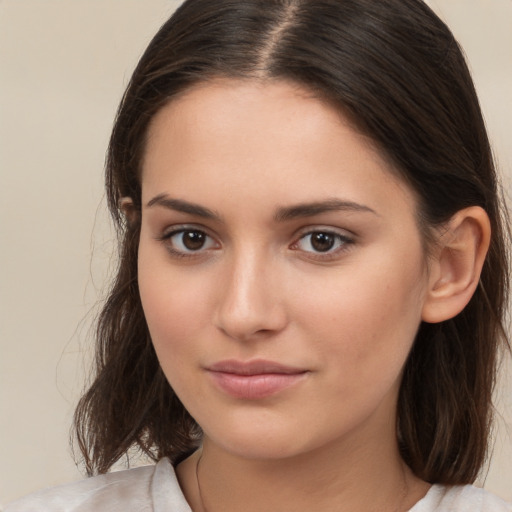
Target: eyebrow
<point x="183" y="206"/>
<point x="282" y="214"/>
<point x="317" y="208"/>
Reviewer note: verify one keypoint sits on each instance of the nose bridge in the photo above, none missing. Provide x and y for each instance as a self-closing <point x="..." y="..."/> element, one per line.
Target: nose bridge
<point x="250" y="301"/>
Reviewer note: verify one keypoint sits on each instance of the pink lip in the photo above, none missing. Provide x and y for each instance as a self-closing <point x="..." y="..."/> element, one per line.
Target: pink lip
<point x="254" y="380"/>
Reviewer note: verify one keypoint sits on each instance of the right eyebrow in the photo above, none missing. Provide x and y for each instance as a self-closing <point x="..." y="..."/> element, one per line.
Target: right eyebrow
<point x="182" y="206"/>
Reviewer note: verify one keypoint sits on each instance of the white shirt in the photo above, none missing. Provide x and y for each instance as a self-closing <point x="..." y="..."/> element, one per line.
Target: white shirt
<point x="156" y="489"/>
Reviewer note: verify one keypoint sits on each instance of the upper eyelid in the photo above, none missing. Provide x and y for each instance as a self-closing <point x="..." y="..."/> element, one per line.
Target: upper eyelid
<point x="308" y="230"/>
<point x="178" y="228"/>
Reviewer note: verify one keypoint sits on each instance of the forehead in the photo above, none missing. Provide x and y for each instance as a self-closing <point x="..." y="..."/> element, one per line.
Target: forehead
<point x="259" y="137"/>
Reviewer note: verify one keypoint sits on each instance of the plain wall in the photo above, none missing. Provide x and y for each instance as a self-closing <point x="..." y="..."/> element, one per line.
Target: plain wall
<point x="63" y="67"/>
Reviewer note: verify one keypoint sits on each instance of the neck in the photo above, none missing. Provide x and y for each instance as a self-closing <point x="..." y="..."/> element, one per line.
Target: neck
<point x="332" y="478"/>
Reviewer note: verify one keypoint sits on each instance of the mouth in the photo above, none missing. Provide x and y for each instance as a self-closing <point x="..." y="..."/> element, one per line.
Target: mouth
<point x="254" y="380"/>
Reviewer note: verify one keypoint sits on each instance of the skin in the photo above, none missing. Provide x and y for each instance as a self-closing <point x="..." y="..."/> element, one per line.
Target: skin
<point x="248" y="153"/>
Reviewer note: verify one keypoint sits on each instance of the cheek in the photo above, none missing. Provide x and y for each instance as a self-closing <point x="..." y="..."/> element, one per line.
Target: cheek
<point x="174" y="316"/>
<point x="171" y="304"/>
<point x="367" y="315"/>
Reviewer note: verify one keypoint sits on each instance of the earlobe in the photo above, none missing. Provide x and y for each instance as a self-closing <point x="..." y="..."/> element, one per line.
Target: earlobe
<point x="456" y="266"/>
<point x="130" y="213"/>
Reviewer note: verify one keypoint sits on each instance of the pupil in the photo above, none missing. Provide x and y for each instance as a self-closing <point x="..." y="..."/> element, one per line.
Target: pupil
<point x="193" y="240"/>
<point x="322" y="242"/>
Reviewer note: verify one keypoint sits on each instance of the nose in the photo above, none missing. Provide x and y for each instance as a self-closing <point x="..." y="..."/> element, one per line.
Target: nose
<point x="251" y="301"/>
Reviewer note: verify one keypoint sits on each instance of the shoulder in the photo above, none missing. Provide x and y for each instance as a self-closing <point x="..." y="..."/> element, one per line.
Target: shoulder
<point x="144" y="489"/>
<point x="461" y="498"/>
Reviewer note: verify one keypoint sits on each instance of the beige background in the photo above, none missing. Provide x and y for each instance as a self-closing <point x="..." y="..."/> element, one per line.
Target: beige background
<point x="63" y="67"/>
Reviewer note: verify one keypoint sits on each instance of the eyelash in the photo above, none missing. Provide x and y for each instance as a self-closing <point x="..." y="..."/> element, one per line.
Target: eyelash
<point x="342" y="243"/>
<point x="166" y="238"/>
<point x="342" y="240"/>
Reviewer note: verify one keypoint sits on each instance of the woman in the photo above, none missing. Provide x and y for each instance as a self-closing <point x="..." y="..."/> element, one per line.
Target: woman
<point x="313" y="277"/>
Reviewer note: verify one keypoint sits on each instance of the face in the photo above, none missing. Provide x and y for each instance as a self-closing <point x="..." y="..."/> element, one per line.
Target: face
<point x="281" y="268"/>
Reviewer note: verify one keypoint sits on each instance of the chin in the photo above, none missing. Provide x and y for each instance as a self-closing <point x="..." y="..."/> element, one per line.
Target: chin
<point x="249" y="440"/>
<point x="262" y="448"/>
<point x="269" y="442"/>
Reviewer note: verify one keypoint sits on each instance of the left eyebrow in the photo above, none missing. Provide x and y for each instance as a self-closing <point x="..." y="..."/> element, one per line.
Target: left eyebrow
<point x="316" y="208"/>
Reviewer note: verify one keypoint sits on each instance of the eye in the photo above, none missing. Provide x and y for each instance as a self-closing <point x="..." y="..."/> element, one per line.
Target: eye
<point x="188" y="241"/>
<point x="322" y="242"/>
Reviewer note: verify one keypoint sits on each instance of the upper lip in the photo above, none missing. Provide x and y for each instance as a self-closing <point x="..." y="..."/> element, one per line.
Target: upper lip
<point x="255" y="367"/>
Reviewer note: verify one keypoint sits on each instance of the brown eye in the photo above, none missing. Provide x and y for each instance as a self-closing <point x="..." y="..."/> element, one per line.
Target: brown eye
<point x="193" y="240"/>
<point x="322" y="242"/>
<point x="318" y="242"/>
<point x="187" y="241"/>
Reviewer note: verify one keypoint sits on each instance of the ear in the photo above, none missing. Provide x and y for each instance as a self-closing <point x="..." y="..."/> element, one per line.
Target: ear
<point x="454" y="271"/>
<point x="128" y="208"/>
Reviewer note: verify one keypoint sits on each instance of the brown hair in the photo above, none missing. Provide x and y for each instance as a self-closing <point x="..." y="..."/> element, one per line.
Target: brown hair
<point x="395" y="69"/>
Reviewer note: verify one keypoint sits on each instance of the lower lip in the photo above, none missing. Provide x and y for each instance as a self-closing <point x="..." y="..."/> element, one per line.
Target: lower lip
<point x="254" y="387"/>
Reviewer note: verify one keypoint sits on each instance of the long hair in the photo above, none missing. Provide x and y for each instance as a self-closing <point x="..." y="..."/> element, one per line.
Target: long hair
<point x="396" y="70"/>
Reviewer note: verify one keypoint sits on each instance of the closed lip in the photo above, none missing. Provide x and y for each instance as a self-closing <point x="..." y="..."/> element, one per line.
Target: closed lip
<point x="254" y="367"/>
<point x="254" y="380"/>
